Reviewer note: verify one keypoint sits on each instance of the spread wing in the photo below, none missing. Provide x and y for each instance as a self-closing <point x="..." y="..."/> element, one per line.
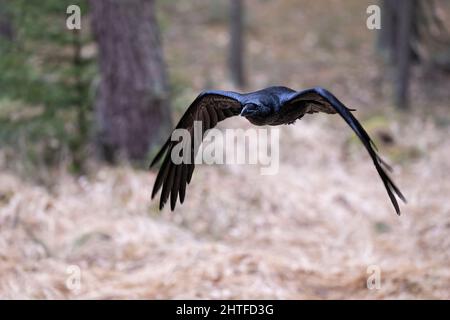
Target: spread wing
<point x="315" y="100"/>
<point x="209" y="108"/>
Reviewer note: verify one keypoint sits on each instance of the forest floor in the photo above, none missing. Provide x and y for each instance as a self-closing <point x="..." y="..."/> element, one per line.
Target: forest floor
<point x="317" y="229"/>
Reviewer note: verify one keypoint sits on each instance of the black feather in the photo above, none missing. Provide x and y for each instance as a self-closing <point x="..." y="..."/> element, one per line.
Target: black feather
<point x="167" y="186"/>
<point x="161" y="176"/>
<point x="213" y="117"/>
<point x="183" y="182"/>
<point x="175" y="187"/>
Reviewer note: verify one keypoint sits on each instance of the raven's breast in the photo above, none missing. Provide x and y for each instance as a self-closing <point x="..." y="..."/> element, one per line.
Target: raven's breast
<point x="258" y="121"/>
<point x="267" y="120"/>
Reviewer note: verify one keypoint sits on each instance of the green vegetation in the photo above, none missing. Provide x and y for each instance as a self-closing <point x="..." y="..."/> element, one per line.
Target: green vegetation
<point x="45" y="105"/>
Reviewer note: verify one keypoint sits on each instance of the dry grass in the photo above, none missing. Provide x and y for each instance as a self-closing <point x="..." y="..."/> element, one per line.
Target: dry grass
<point x="311" y="234"/>
<point x="310" y="231"/>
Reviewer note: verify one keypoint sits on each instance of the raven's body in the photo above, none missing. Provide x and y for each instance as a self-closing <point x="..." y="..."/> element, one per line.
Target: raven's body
<point x="267" y="104"/>
<point x="271" y="106"/>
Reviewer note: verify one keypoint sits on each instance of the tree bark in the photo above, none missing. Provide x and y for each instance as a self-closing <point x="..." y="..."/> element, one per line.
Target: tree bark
<point x="132" y="105"/>
<point x="237" y="47"/>
<point x="387" y="35"/>
<point x="392" y="13"/>
<point x="6" y="27"/>
<point x="404" y="55"/>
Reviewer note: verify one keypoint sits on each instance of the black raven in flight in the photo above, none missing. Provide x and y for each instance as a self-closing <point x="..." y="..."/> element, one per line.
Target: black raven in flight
<point x="271" y="106"/>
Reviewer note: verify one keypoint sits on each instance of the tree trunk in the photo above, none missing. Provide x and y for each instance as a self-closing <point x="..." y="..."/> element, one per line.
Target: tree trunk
<point x="6" y="28"/>
<point x="132" y="105"/>
<point x="403" y="58"/>
<point x="387" y="35"/>
<point x="398" y="40"/>
<point x="237" y="43"/>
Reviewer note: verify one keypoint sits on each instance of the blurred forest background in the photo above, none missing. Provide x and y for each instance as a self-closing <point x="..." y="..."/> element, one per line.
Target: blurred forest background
<point x="82" y="112"/>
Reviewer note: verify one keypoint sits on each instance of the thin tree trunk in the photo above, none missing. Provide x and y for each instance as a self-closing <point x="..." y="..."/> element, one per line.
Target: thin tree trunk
<point x="237" y="47"/>
<point x="404" y="53"/>
<point x="78" y="142"/>
<point x="132" y="106"/>
<point x="6" y="27"/>
<point x="386" y="41"/>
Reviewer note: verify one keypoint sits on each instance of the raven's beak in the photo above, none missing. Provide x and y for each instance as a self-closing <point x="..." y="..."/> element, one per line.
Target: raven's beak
<point x="248" y="110"/>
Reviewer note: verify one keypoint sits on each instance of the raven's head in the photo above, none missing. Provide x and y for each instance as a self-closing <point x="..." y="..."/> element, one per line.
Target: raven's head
<point x="256" y="114"/>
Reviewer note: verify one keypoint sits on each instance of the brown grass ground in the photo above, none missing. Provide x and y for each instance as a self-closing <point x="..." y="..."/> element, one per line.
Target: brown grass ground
<point x="310" y="231"/>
